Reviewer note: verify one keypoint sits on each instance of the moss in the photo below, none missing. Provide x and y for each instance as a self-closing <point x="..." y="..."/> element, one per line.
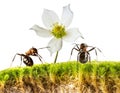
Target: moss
<point x="101" y="76"/>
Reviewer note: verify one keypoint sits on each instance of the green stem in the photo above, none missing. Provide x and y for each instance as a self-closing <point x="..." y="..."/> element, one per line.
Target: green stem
<point x="56" y="57"/>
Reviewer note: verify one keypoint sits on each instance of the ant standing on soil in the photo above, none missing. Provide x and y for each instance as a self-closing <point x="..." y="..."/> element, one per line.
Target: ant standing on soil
<point x="83" y="55"/>
<point x="27" y="60"/>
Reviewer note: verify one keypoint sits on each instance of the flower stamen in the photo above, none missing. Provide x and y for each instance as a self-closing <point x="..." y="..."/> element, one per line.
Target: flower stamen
<point x="58" y="30"/>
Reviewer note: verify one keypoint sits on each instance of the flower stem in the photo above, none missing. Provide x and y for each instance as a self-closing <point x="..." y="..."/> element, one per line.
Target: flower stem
<point x="56" y="57"/>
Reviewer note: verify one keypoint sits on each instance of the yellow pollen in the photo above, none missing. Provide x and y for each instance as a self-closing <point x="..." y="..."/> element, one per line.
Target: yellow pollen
<point x="58" y="30"/>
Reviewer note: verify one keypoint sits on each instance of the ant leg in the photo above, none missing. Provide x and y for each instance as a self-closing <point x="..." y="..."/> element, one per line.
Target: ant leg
<point x="96" y="55"/>
<point x="72" y="51"/>
<point x="94" y="48"/>
<point x="77" y="62"/>
<point x="96" y="52"/>
<point x="99" y="50"/>
<point x="21" y="61"/>
<point x="91" y="49"/>
<point x="78" y="57"/>
<point x="89" y="58"/>
<point x="77" y="46"/>
<point x="13" y="59"/>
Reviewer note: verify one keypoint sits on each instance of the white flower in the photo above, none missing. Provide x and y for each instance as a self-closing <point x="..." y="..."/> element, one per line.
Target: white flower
<point x="58" y="29"/>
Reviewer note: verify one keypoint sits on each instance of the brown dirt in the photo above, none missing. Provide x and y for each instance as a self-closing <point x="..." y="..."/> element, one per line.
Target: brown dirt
<point x="44" y="85"/>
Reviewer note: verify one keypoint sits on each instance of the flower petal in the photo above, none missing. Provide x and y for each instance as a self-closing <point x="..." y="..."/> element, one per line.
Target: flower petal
<point x="67" y="16"/>
<point x="54" y="45"/>
<point x="49" y="17"/>
<point x="72" y="35"/>
<point x="41" y="31"/>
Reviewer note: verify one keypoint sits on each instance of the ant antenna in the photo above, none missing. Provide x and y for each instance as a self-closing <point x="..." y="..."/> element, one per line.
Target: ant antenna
<point x="40" y="58"/>
<point x="75" y="44"/>
<point x="44" y="47"/>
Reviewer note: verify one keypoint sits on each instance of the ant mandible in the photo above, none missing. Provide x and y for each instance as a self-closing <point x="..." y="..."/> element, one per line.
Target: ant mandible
<point x="27" y="60"/>
<point x="83" y="55"/>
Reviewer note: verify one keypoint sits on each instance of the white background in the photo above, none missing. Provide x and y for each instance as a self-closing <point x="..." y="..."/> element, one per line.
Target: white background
<point x="97" y="20"/>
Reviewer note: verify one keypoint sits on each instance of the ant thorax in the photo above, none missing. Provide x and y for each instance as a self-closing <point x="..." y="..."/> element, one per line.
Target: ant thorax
<point x="32" y="51"/>
<point x="84" y="49"/>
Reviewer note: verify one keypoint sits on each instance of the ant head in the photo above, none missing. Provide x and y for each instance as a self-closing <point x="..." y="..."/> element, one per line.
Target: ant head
<point x="34" y="51"/>
<point x="83" y="45"/>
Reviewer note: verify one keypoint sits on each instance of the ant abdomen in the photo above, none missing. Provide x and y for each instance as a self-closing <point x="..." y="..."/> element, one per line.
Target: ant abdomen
<point x="28" y="61"/>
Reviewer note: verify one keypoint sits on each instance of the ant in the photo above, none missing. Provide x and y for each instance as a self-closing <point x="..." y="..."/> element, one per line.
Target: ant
<point x="83" y="55"/>
<point x="27" y="60"/>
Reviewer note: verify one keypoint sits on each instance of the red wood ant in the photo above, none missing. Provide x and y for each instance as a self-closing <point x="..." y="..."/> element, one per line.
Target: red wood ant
<point x="83" y="55"/>
<point x="27" y="60"/>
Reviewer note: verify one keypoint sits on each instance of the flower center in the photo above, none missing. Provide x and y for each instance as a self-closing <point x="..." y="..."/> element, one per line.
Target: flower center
<point x="58" y="30"/>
